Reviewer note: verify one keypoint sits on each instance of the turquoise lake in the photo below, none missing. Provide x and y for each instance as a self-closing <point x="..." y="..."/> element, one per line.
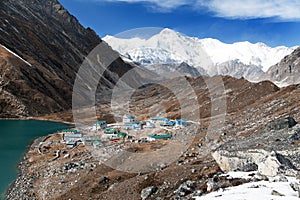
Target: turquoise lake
<point x="16" y="135"/>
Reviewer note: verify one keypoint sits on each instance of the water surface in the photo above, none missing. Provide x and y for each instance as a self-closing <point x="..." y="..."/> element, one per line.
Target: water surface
<point x="15" y="137"/>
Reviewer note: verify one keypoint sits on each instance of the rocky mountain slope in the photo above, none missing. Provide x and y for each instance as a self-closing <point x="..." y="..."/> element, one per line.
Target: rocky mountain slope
<point x="252" y="113"/>
<point x="287" y="71"/>
<point x="42" y="47"/>
<point x="183" y="69"/>
<point x="169" y="46"/>
<point x="237" y="69"/>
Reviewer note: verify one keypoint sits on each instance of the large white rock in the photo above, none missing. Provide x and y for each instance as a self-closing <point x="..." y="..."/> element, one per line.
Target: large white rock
<point x="266" y="162"/>
<point x="269" y="166"/>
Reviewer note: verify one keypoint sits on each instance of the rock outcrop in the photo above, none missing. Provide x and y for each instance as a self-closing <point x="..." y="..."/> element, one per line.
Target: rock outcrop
<point x="147" y="192"/>
<point x="287" y="71"/>
<point x="167" y="69"/>
<point x="237" y="69"/>
<point x="270" y="152"/>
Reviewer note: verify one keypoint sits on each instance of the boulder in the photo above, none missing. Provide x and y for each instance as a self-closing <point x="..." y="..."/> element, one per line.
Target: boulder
<point x="211" y="185"/>
<point x="269" y="166"/>
<point x="295" y="138"/>
<point x="282" y="123"/>
<point x="239" y="160"/>
<point x="148" y="191"/>
<point x="295" y="186"/>
<point x="275" y="193"/>
<point x="270" y="152"/>
<point x="291" y="121"/>
<point x="279" y="178"/>
<point x="103" y="180"/>
<point x="266" y="163"/>
<point x="186" y="188"/>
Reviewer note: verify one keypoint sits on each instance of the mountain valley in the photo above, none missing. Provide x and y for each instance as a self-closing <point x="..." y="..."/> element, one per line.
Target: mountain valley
<point x="240" y="104"/>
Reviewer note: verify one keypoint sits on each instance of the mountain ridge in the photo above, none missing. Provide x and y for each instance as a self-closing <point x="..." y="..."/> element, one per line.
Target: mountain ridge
<point x="287" y="71"/>
<point x="52" y="41"/>
<point x="204" y="53"/>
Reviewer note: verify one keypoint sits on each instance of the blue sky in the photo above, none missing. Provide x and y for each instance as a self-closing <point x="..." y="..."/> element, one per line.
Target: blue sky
<point x="274" y="22"/>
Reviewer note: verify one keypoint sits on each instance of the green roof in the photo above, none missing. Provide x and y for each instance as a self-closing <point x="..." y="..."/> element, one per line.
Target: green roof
<point x="165" y="136"/>
<point x="71" y="131"/>
<point x="121" y="135"/>
<point x="110" y="130"/>
<point x="100" y="122"/>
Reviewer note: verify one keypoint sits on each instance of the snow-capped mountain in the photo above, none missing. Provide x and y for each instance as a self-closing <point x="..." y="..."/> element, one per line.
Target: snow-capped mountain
<point x="287" y="71"/>
<point x="150" y="55"/>
<point x="169" y="46"/>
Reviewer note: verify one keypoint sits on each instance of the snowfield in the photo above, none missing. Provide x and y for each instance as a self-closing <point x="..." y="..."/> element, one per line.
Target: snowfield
<point x="261" y="190"/>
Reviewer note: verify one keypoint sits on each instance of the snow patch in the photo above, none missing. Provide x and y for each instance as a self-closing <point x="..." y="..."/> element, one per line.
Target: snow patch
<point x="283" y="83"/>
<point x="243" y="175"/>
<point x="10" y="51"/>
<point x="254" y="190"/>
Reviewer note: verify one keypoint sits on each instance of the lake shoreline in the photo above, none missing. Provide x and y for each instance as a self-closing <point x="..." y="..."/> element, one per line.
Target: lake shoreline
<point x="41" y="119"/>
<point x="21" y="165"/>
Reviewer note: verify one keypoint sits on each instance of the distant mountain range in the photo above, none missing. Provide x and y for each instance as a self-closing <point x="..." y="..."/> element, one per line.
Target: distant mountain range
<point x="42" y="47"/>
<point x="209" y="56"/>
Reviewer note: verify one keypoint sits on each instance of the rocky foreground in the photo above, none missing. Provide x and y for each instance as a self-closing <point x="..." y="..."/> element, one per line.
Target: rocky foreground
<point x="256" y="136"/>
<point x="51" y="171"/>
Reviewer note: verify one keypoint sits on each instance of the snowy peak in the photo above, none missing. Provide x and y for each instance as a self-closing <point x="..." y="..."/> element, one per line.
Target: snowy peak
<point x="191" y="49"/>
<point x="258" y="54"/>
<point x="169" y="35"/>
<point x="171" y="46"/>
<point x="168" y="32"/>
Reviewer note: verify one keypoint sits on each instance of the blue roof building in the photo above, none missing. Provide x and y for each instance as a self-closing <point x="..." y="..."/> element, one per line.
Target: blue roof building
<point x="181" y="122"/>
<point x="128" y="118"/>
<point x="162" y="119"/>
<point x="133" y="125"/>
<point x="168" y="123"/>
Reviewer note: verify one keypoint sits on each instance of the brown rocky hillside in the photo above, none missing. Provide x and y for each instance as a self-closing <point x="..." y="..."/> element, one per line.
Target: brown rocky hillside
<point x="77" y="174"/>
<point x="54" y="44"/>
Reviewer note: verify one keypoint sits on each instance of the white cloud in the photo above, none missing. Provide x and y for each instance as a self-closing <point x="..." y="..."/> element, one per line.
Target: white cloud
<point x="282" y="9"/>
<point x="159" y="4"/>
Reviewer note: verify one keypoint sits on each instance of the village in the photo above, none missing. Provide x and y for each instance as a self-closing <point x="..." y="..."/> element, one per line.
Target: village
<point x="131" y="130"/>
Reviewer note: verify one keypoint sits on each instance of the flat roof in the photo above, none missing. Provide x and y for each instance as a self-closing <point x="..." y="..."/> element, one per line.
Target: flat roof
<point x="160" y="118"/>
<point x="101" y="122"/>
<point x="78" y="135"/>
